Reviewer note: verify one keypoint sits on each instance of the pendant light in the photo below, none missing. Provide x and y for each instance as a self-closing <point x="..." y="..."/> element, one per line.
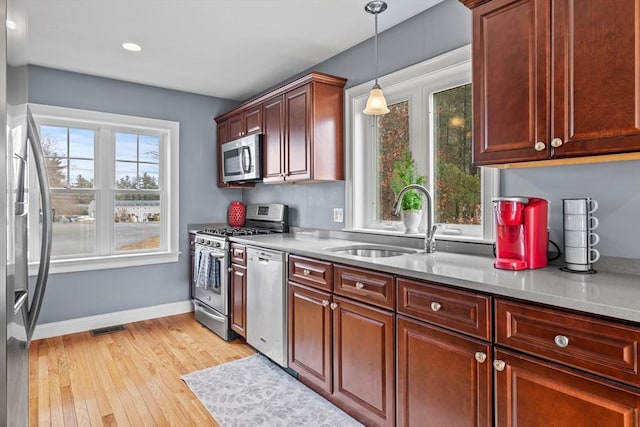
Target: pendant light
<point x="376" y="104"/>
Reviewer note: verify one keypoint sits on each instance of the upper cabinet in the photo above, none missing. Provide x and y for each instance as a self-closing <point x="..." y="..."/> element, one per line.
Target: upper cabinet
<point x="302" y="126"/>
<point x="555" y="79"/>
<point x="245" y="123"/>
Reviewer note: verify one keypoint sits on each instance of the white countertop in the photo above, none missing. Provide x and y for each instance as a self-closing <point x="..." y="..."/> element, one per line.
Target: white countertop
<point x="606" y="294"/>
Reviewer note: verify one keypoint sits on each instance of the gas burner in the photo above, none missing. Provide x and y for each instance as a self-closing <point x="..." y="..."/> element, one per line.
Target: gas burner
<point x="227" y="231"/>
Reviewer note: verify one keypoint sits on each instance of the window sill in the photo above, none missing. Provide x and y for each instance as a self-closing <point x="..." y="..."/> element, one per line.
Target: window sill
<point x="106" y="262"/>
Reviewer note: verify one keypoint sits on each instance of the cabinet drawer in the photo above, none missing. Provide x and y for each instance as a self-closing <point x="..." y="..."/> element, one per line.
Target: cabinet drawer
<point x="238" y="254"/>
<point x="311" y="272"/>
<point x="365" y="285"/>
<point x="598" y="346"/>
<point x="461" y="311"/>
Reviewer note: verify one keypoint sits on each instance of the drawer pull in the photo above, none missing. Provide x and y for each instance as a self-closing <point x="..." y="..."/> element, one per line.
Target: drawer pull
<point x="499" y="365"/>
<point x="306" y="272"/>
<point x="435" y="306"/>
<point x="480" y="356"/>
<point x="334" y="306"/>
<point x="325" y="302"/>
<point x="561" y="341"/>
<point x="359" y="285"/>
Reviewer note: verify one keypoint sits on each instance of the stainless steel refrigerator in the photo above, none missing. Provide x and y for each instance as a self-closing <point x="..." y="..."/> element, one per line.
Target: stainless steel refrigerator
<point x="20" y="300"/>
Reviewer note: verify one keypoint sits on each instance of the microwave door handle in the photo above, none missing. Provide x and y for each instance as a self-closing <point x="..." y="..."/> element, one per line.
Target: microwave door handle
<point x="246" y="159"/>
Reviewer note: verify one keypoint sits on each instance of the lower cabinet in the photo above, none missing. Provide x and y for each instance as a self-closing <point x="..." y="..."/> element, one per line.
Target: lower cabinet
<point x="345" y="351"/>
<point x="444" y="378"/>
<point x="239" y="299"/>
<point x="531" y="392"/>
<point x="310" y="336"/>
<point x="363" y="361"/>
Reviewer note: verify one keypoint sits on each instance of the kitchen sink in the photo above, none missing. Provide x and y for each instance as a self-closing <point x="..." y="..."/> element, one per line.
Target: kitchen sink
<point x="372" y="251"/>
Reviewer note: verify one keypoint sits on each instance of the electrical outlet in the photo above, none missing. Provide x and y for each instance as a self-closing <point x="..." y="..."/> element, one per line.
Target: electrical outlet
<point x="338" y="215"/>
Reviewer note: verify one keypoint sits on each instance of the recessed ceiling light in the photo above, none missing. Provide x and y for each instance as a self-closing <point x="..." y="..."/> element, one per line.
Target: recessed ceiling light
<point x="11" y="24"/>
<point x="132" y="47"/>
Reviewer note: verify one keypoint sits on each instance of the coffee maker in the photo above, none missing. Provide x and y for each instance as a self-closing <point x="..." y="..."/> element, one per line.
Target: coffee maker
<point x="522" y="236"/>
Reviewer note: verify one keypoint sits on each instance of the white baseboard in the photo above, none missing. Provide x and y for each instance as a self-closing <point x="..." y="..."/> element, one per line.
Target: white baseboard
<point x="54" y="329"/>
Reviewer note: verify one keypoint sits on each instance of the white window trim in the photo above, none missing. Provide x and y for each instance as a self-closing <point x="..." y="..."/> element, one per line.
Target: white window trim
<point x="356" y="153"/>
<point x="169" y="209"/>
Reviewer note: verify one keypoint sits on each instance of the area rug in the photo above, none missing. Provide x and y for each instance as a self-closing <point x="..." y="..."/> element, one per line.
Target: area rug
<point x="254" y="391"/>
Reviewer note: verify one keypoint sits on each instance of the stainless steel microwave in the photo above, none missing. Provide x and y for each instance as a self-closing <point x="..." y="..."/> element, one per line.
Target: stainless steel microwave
<point x="242" y="159"/>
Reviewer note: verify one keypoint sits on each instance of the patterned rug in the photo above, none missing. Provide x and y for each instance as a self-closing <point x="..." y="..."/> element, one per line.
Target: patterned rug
<point x="256" y="392"/>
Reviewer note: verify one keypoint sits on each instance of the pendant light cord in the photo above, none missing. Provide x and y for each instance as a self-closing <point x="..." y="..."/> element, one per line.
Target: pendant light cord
<point x="375" y="41"/>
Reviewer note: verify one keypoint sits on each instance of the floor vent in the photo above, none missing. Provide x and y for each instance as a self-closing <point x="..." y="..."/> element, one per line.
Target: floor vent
<point x="107" y="330"/>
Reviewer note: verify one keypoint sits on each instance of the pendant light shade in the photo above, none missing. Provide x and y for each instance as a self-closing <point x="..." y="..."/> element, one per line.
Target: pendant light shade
<point x="376" y="104"/>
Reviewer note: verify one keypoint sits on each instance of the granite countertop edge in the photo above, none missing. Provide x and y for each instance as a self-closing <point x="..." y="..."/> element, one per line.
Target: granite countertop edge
<point x="607" y="294"/>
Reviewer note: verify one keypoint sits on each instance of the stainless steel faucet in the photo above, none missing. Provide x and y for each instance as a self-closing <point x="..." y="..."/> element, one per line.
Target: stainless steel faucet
<point x="430" y="232"/>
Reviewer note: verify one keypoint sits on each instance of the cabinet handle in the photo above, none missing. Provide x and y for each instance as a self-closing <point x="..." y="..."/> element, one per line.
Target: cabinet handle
<point x="556" y="142"/>
<point x="306" y="272"/>
<point x="435" y="306"/>
<point x="480" y="356"/>
<point x="499" y="365"/>
<point x="561" y="341"/>
<point x="325" y="302"/>
<point x="539" y="146"/>
<point x="333" y="306"/>
<point x="229" y="269"/>
<point x="359" y="285"/>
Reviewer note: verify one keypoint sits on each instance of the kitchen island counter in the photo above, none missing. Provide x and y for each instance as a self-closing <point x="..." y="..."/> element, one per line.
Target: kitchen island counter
<point x="607" y="294"/>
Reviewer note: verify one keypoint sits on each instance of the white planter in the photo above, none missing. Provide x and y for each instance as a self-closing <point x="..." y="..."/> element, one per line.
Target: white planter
<point x="411" y="220"/>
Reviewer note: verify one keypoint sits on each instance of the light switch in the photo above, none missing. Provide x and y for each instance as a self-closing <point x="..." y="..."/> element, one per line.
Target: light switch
<point x="338" y="215"/>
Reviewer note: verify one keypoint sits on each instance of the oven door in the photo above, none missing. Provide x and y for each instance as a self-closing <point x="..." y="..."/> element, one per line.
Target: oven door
<point x="210" y="278"/>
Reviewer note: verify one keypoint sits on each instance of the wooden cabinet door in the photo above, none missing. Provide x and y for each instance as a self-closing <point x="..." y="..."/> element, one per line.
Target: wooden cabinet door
<point x="273" y="141"/>
<point x="443" y="379"/>
<point x="239" y="299"/>
<point x="510" y="84"/>
<point x="530" y="392"/>
<point x="298" y="134"/>
<point x="236" y="126"/>
<point x="596" y="65"/>
<point x="253" y="120"/>
<point x="364" y="366"/>
<point x="309" y="330"/>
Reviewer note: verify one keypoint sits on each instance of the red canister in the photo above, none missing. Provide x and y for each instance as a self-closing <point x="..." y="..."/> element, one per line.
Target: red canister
<point x="237" y="213"/>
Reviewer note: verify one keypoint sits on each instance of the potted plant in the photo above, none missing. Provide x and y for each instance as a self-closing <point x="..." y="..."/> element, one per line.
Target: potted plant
<point x="404" y="173"/>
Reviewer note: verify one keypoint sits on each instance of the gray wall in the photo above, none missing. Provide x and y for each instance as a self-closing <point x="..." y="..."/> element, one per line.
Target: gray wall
<point x="447" y="26"/>
<point x="72" y="295"/>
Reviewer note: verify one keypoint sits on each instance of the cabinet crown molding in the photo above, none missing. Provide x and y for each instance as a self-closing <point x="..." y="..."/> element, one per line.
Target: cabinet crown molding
<point x="279" y="90"/>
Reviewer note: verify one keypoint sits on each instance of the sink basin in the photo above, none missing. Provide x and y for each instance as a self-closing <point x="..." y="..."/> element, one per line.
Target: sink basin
<point x="373" y="251"/>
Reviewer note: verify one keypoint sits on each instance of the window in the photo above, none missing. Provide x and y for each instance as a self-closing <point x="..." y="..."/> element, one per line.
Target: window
<point x="430" y="120"/>
<point x="114" y="189"/>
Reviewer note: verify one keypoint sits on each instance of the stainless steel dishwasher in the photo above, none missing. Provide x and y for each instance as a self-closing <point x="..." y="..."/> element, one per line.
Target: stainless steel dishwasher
<point x="267" y="303"/>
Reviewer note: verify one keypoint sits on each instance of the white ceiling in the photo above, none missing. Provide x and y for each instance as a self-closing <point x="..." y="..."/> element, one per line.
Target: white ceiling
<point x="225" y="48"/>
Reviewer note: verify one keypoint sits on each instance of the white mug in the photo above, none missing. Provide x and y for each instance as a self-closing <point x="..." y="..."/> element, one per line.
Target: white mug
<point x="585" y="205"/>
<point x="580" y="238"/>
<point x="580" y="222"/>
<point x="581" y="255"/>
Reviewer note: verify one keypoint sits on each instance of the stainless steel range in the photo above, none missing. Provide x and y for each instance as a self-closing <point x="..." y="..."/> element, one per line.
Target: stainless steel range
<point x="210" y="286"/>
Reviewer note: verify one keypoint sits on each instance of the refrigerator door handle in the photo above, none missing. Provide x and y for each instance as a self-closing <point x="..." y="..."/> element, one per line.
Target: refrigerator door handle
<point x="20" y="298"/>
<point x="47" y="223"/>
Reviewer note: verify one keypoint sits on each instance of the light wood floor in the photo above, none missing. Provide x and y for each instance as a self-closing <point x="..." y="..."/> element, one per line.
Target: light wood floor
<point x="126" y="378"/>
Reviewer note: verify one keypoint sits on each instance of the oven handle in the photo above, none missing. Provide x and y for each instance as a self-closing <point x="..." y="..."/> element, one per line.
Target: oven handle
<point x="246" y="159"/>
<point x="202" y="310"/>
<point x="213" y="252"/>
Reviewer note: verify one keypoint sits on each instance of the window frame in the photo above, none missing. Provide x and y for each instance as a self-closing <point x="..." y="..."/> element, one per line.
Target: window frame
<point x="105" y="126"/>
<point x="452" y="69"/>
